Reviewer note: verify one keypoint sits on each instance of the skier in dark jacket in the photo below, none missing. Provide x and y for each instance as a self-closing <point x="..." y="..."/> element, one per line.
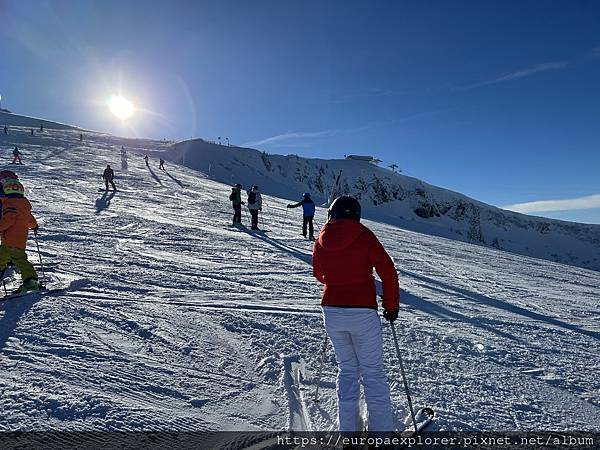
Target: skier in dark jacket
<point x="236" y="201"/>
<point x="16" y="156"/>
<point x="254" y="206"/>
<point x="308" y="213"/>
<point x="109" y="176"/>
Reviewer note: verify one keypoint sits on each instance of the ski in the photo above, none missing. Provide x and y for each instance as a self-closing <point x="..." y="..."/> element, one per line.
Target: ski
<point x="41" y="293"/>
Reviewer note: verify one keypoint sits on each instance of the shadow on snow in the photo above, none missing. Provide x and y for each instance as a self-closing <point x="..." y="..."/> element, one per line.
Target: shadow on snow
<point x="446" y="288"/>
<point x="103" y="202"/>
<point x="154" y="174"/>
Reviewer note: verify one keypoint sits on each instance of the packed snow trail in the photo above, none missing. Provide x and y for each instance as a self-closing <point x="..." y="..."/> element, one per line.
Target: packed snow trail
<point x="179" y="322"/>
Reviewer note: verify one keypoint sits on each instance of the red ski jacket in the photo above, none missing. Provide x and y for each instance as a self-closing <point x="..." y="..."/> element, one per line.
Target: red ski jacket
<point x="343" y="260"/>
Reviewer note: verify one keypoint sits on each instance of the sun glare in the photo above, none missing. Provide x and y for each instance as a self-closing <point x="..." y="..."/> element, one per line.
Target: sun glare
<point x="120" y="107"/>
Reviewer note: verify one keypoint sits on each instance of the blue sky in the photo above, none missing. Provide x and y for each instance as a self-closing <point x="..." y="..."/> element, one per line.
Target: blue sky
<point x="495" y="99"/>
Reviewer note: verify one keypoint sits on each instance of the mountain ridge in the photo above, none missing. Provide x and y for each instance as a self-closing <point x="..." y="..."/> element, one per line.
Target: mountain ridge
<point x="396" y="199"/>
<point x="11" y="119"/>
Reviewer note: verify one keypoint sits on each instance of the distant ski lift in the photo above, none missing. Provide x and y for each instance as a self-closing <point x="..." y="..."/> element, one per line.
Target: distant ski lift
<point x="370" y="159"/>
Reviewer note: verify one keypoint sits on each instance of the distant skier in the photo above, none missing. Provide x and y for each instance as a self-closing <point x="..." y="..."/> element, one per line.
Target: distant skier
<point x="343" y="260"/>
<point x="308" y="214"/>
<point x="254" y="206"/>
<point x="5" y="129"/>
<point x="16" y="156"/>
<point x="109" y="177"/>
<point x="32" y="131"/>
<point x="41" y="127"/>
<point x="15" y="224"/>
<point x="161" y="164"/>
<point x="146" y="159"/>
<point x="123" y="158"/>
<point x="236" y="201"/>
<point x="80" y="137"/>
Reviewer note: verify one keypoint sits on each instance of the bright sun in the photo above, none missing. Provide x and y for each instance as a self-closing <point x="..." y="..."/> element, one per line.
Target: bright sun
<point x="120" y="107"/>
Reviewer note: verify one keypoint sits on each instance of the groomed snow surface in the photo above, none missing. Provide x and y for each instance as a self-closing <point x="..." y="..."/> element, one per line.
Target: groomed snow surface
<point x="175" y="321"/>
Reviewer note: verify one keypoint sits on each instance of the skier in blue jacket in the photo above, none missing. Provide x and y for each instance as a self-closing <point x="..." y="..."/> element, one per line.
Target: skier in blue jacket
<point x="308" y="213"/>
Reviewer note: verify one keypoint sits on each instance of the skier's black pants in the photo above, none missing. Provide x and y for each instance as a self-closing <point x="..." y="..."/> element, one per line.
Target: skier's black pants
<point x="308" y="221"/>
<point x="106" y="181"/>
<point x="237" y="213"/>
<point x="254" y="214"/>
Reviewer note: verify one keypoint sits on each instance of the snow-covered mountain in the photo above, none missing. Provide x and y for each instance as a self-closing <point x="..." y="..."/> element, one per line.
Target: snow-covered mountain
<point x="171" y="320"/>
<point x="8" y="119"/>
<point x="397" y="199"/>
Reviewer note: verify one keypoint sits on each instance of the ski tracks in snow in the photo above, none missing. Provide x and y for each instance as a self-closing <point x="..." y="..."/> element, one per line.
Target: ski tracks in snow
<point x="179" y="322"/>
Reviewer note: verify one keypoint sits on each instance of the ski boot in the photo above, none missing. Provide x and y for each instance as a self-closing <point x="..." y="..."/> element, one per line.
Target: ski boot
<point x="29" y="285"/>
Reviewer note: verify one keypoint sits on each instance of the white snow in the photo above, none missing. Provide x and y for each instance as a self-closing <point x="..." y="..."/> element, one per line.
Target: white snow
<point x="178" y="322"/>
<point x="397" y="199"/>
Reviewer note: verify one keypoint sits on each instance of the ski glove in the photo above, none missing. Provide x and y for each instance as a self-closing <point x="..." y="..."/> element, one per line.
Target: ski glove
<point x="390" y="315"/>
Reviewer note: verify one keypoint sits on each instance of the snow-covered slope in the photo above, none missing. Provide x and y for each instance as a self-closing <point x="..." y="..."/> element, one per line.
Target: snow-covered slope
<point x="398" y="200"/>
<point x="9" y="119"/>
<point x="174" y="321"/>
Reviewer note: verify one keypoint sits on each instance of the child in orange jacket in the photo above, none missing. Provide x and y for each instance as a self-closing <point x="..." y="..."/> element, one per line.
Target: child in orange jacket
<point x="15" y="224"/>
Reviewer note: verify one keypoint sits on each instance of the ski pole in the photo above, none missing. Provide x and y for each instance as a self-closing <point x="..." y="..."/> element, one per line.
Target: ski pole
<point x="39" y="255"/>
<point x="323" y="352"/>
<point x="4" y="283"/>
<point x="410" y="405"/>
<point x="264" y="220"/>
<point x="284" y="221"/>
<point x="316" y="225"/>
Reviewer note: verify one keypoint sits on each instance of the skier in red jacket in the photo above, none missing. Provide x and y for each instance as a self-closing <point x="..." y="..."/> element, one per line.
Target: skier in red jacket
<point x="343" y="260"/>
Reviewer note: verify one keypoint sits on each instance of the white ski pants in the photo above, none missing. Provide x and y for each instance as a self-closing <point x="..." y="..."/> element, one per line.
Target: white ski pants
<point x="356" y="337"/>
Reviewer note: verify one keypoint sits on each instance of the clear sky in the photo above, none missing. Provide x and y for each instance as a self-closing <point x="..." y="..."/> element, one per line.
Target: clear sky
<point x="499" y="100"/>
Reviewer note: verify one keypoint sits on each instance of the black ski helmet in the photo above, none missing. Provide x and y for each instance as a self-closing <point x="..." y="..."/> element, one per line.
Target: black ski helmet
<point x="345" y="207"/>
<point x="238" y="185"/>
<point x="306" y="195"/>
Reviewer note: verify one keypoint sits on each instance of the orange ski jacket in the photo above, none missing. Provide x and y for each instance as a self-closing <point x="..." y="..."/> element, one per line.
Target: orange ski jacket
<point x="16" y="221"/>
